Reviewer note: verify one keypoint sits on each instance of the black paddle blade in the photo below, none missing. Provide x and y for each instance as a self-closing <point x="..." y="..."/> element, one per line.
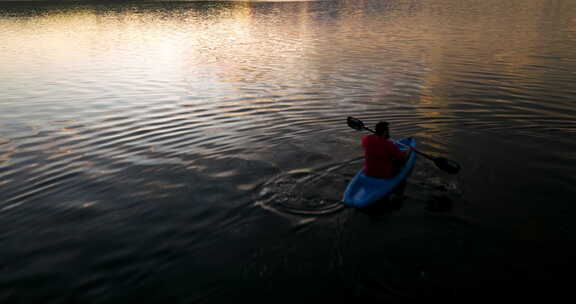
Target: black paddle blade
<point x="447" y="165"/>
<point x="355" y="124"/>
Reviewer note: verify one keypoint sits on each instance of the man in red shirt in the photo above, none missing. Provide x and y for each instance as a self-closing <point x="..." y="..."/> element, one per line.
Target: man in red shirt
<point x="382" y="158"/>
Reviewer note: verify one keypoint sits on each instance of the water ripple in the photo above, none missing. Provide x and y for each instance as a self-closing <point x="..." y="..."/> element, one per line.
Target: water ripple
<point x="297" y="193"/>
<point x="147" y="132"/>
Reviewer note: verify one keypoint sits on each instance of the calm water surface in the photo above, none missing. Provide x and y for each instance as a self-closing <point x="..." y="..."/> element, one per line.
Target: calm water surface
<point x="198" y="151"/>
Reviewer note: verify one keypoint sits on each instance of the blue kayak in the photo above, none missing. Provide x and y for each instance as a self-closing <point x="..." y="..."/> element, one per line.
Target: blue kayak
<point x="363" y="190"/>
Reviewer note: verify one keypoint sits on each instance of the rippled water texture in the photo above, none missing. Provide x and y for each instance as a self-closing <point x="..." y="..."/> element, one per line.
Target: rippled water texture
<point x="198" y="151"/>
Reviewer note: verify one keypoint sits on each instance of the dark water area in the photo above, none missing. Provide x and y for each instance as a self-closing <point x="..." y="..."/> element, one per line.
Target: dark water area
<point x="198" y="151"/>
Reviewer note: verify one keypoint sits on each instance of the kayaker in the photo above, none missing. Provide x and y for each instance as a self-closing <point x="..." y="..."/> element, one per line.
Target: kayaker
<point x="382" y="158"/>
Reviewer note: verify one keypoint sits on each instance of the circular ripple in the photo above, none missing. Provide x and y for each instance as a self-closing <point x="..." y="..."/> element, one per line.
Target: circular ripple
<point x="303" y="192"/>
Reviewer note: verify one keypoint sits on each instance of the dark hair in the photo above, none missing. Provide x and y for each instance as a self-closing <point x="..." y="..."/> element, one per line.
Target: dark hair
<point x="381" y="127"/>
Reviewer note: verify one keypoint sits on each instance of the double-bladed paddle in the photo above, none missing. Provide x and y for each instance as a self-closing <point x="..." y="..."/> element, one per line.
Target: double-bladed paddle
<point x="442" y="163"/>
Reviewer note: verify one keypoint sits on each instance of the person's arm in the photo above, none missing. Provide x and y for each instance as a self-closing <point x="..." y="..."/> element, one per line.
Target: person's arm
<point x="398" y="154"/>
<point x="364" y="142"/>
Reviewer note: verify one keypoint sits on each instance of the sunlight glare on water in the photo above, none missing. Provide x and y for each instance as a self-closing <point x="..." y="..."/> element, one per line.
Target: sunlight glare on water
<point x="198" y="150"/>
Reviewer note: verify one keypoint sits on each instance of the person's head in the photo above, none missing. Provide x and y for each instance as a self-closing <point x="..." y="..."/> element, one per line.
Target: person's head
<point x="382" y="129"/>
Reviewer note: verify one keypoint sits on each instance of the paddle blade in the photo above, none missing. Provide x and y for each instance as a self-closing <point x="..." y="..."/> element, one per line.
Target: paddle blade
<point x="447" y="165"/>
<point x="355" y="123"/>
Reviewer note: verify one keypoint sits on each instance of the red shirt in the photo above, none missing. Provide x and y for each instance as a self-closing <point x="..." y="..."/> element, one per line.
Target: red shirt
<point x="380" y="156"/>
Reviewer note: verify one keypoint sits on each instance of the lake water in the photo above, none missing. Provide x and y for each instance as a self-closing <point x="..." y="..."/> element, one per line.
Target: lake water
<point x="198" y="151"/>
